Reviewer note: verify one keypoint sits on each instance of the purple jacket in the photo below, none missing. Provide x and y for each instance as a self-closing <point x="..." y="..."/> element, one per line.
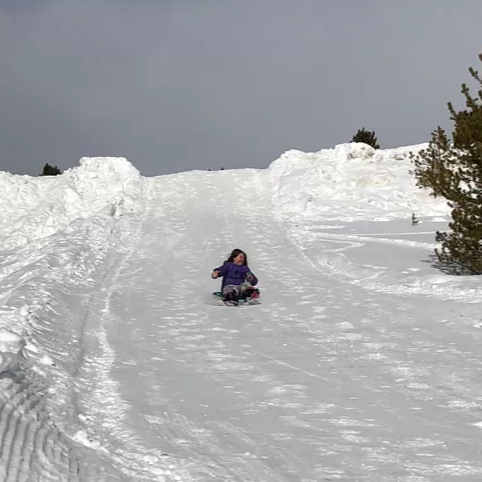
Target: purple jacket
<point x="235" y="275"/>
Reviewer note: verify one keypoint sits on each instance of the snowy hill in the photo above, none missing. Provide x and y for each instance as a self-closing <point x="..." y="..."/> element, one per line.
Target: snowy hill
<point x="361" y="363"/>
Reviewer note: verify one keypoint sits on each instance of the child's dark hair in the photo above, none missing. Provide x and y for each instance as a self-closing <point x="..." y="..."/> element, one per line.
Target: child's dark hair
<point x="236" y="252"/>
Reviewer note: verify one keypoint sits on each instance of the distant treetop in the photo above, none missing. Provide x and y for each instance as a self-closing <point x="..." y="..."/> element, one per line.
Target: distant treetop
<point x="49" y="170"/>
<point x="367" y="137"/>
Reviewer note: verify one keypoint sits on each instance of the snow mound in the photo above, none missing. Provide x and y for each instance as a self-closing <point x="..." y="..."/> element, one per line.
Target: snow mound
<point x="58" y="235"/>
<point x="350" y="182"/>
<point x="82" y="199"/>
<point x="37" y="207"/>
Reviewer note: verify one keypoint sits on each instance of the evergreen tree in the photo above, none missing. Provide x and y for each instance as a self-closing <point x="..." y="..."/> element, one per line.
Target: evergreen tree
<point x="453" y="170"/>
<point x="49" y="170"/>
<point x="367" y="137"/>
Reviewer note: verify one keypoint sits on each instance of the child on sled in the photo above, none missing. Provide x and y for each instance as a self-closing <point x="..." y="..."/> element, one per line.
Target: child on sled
<point x="238" y="280"/>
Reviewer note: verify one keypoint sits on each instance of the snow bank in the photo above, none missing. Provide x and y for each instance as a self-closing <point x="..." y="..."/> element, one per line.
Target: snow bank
<point x="350" y="182"/>
<point x="56" y="235"/>
<point x="37" y="207"/>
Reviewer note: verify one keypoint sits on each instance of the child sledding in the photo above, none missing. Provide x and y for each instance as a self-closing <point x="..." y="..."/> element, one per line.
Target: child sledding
<point x="238" y="281"/>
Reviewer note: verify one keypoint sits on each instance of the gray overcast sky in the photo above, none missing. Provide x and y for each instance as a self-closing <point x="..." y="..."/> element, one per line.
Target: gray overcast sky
<point x="193" y="84"/>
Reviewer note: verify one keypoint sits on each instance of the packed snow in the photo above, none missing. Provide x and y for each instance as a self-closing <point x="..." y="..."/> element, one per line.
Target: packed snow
<point x="362" y="362"/>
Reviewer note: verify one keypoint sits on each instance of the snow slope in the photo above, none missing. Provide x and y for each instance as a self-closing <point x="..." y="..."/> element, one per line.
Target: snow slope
<point x="361" y="364"/>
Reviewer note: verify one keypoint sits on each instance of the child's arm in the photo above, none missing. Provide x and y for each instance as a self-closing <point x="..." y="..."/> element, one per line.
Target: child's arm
<point x="218" y="272"/>
<point x="251" y="278"/>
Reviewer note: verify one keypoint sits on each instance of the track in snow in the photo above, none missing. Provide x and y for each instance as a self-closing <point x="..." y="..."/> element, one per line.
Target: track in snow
<point x="40" y="433"/>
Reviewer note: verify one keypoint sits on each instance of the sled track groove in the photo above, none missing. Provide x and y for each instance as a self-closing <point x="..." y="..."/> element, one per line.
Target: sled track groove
<point x="31" y="448"/>
<point x="37" y="441"/>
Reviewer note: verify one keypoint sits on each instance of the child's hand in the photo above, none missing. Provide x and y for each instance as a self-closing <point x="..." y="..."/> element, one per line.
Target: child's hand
<point x="249" y="277"/>
<point x="215" y="274"/>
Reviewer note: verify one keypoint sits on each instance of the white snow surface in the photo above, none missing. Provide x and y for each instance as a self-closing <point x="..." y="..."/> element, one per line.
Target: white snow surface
<point x="362" y="362"/>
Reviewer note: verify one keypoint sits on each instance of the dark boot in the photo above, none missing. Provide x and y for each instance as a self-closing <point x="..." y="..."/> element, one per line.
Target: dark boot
<point x="231" y="296"/>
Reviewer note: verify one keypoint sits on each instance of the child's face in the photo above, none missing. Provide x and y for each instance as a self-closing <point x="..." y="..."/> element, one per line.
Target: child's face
<point x="239" y="260"/>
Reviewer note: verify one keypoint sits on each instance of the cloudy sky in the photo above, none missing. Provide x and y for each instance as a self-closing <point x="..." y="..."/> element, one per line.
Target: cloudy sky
<point x="175" y="85"/>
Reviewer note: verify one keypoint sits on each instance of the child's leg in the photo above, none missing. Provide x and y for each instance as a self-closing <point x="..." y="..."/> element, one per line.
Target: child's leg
<point x="246" y="290"/>
<point x="230" y="293"/>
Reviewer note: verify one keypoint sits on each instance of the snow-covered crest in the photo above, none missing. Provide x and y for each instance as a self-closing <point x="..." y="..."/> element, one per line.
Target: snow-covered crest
<point x="36" y="207"/>
<point x="350" y="182"/>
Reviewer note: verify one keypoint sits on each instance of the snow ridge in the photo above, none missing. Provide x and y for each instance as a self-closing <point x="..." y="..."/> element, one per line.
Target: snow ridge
<point x="35" y="208"/>
<point x="348" y="182"/>
<point x="55" y="237"/>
